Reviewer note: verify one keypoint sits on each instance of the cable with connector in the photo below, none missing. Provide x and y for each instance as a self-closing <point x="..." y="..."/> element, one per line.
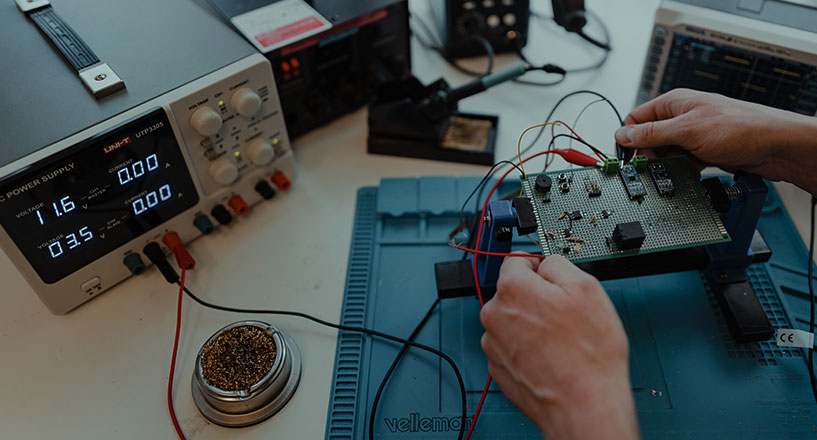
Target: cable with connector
<point x="621" y="153"/>
<point x="342" y="327"/>
<point x="394" y="363"/>
<point x="172" y="373"/>
<point x="157" y="256"/>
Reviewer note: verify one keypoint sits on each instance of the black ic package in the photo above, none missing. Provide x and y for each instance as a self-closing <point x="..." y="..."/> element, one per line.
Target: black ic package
<point x="662" y="179"/>
<point x="632" y="182"/>
<point x="629" y="235"/>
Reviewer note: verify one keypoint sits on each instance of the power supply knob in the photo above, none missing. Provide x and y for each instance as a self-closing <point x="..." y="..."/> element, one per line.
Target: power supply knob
<point x="246" y="102"/>
<point x="206" y="121"/>
<point x="223" y="171"/>
<point x="259" y="151"/>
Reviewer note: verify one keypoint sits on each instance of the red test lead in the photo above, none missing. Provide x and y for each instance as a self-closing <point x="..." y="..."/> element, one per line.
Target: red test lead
<point x="576" y="157"/>
<point x="176" y="245"/>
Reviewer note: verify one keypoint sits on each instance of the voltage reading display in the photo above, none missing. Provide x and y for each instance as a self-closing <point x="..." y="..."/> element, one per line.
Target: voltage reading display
<point x="84" y="202"/>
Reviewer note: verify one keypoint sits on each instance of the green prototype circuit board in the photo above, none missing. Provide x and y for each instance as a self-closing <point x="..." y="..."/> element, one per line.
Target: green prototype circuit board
<point x="578" y="221"/>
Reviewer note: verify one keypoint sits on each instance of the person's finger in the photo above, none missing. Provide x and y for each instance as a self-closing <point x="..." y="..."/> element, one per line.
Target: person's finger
<point x="532" y="262"/>
<point x="654" y="110"/>
<point x="518" y="273"/>
<point x="651" y="134"/>
<point x="563" y="273"/>
<point x="669" y="105"/>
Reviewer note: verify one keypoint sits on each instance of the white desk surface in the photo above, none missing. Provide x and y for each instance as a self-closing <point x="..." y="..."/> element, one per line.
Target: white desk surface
<point x="101" y="371"/>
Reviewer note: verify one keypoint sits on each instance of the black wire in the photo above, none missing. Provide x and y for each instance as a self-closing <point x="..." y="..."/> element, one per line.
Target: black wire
<point x="607" y="40"/>
<point x="481" y="186"/>
<point x="619" y="149"/>
<point x="482" y="183"/>
<point x="436" y="46"/>
<point x="570" y="136"/>
<point x="394" y="363"/>
<point x="594" y="41"/>
<point x="812" y="378"/>
<point x="350" y="329"/>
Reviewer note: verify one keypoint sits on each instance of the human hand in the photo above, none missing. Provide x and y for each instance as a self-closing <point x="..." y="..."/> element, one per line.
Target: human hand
<point x="721" y="131"/>
<point x="558" y="351"/>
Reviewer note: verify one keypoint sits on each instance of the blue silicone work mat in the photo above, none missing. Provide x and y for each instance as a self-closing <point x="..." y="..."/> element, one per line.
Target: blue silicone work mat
<point x="689" y="378"/>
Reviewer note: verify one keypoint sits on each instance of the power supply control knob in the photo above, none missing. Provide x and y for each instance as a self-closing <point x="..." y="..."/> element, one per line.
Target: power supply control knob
<point x="259" y="151"/>
<point x="246" y="102"/>
<point x="206" y="121"/>
<point x="224" y="171"/>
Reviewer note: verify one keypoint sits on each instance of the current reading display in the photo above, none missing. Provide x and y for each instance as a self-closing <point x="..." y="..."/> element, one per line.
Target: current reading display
<point x="72" y="208"/>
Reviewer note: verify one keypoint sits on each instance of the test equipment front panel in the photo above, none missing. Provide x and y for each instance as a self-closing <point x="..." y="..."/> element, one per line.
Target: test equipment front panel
<point x="72" y="212"/>
<point x="765" y="56"/>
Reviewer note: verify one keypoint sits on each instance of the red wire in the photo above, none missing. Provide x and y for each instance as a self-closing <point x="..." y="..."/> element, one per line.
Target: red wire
<point x="571" y="130"/>
<point x="178" y="428"/>
<point x="479" y="408"/>
<point x="482" y="219"/>
<point x="497" y="254"/>
<point x="574" y="134"/>
<point x="476" y="275"/>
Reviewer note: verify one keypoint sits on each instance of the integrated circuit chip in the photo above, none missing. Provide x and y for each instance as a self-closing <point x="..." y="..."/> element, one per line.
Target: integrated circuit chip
<point x="662" y="179"/>
<point x="632" y="182"/>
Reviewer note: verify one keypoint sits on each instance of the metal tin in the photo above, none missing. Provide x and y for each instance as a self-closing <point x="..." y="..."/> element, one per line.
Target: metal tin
<point x="264" y="398"/>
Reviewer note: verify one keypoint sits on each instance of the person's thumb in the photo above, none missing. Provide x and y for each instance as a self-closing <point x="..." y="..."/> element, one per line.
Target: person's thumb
<point x="649" y="134"/>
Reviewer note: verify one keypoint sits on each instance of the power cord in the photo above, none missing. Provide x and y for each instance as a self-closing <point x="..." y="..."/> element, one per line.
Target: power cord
<point x="394" y="363"/>
<point x="172" y="373"/>
<point x="592" y="67"/>
<point x="436" y="45"/>
<point x="158" y="258"/>
<point x="405" y="342"/>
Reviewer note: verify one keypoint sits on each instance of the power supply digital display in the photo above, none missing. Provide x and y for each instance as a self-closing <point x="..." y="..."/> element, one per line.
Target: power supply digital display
<point x="82" y="203"/>
<point x="739" y="73"/>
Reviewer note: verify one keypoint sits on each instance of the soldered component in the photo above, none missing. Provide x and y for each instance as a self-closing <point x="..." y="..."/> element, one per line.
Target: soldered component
<point x="577" y="248"/>
<point x="551" y="234"/>
<point x="567" y="232"/>
<point x="605" y="213"/>
<point x="662" y="180"/>
<point x="576" y="215"/>
<point x="611" y="165"/>
<point x="640" y="162"/>
<point x="593" y="189"/>
<point x="562" y="178"/>
<point x="576" y="240"/>
<point x="565" y="187"/>
<point x="632" y="182"/>
<point x="629" y="235"/>
<point x="594" y="221"/>
<point x="563" y="215"/>
<point x="543" y="183"/>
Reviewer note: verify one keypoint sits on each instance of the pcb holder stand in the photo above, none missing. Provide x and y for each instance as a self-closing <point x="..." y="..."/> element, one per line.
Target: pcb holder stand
<point x="728" y="261"/>
<point x="724" y="265"/>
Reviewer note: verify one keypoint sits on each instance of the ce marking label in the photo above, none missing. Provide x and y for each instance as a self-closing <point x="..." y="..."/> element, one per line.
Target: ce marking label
<point x="787" y="337"/>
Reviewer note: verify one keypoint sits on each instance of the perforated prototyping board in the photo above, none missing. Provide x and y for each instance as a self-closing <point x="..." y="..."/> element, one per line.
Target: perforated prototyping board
<point x="681" y="220"/>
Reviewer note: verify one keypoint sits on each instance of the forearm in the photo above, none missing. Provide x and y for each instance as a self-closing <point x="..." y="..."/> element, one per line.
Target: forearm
<point x="602" y="411"/>
<point x="793" y="147"/>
